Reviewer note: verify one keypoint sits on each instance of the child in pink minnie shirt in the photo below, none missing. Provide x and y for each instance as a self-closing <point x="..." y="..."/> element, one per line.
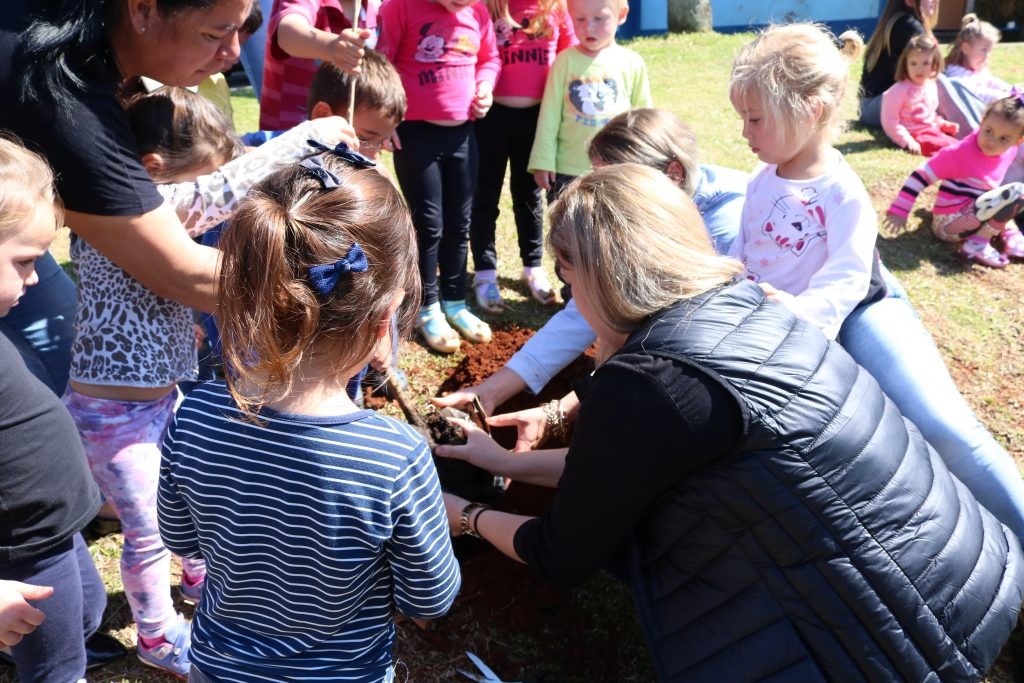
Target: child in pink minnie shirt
<point x="529" y="33"/>
<point x="446" y="54"/>
<point x="910" y="107"/>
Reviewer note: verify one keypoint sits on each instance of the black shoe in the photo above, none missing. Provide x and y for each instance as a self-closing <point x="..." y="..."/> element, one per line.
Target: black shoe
<point x="100" y="649"/>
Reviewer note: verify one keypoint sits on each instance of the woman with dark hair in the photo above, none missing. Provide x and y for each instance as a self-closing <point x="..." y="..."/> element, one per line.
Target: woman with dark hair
<point x="901" y="20"/>
<point x="62" y="64"/>
<point x="776" y="516"/>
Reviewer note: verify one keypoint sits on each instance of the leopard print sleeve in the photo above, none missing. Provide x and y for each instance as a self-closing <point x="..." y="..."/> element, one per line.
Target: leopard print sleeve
<point x="212" y="198"/>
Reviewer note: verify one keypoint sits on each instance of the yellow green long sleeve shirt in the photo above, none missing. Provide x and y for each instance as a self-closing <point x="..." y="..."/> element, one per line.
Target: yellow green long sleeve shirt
<point x="581" y="95"/>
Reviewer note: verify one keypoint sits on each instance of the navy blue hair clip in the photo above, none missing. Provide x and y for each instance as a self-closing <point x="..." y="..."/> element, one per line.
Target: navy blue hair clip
<point x="345" y="152"/>
<point x="1019" y="94"/>
<point x="315" y="166"/>
<point x="325" y="277"/>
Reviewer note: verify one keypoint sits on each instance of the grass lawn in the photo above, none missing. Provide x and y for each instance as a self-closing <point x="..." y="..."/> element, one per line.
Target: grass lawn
<point x="975" y="314"/>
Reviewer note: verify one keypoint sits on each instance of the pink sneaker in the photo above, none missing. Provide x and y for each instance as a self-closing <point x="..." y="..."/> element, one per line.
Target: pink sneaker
<point x="1013" y="244"/>
<point x="983" y="253"/>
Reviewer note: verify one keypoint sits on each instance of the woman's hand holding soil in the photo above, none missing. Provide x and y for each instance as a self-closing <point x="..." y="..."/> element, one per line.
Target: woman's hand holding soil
<point x="543" y="468"/>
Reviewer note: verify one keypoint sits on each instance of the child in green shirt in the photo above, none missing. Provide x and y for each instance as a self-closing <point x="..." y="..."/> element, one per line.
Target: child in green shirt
<point x="589" y="84"/>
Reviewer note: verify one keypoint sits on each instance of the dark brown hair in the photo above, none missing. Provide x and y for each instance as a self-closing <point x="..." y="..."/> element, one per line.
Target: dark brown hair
<point x="270" y="316"/>
<point x="922" y="42"/>
<point x="378" y="87"/>
<point x="1010" y="108"/>
<point x="184" y="128"/>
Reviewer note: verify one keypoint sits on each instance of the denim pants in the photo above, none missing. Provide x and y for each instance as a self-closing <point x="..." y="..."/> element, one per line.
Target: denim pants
<point x="505" y="136"/>
<point x="871" y="111"/>
<point x="888" y="339"/>
<point x="436" y="169"/>
<point x="55" y="651"/>
<point x="42" y="325"/>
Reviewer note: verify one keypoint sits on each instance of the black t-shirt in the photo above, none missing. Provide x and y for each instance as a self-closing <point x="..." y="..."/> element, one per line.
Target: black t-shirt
<point x="90" y="145"/>
<point x="46" y="491"/>
<point x="881" y="78"/>
<point x="644" y="423"/>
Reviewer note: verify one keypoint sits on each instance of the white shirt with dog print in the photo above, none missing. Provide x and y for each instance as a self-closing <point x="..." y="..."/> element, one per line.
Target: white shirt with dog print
<point x="581" y="95"/>
<point x="813" y="239"/>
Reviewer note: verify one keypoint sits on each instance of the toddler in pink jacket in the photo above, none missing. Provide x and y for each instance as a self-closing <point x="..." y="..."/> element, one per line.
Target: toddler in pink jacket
<point x="910" y="107"/>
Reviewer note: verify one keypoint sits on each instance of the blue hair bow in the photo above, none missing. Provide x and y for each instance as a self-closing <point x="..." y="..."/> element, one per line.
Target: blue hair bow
<point x="325" y="277"/>
<point x="345" y="152"/>
<point x="315" y="166"/>
<point x="1019" y="94"/>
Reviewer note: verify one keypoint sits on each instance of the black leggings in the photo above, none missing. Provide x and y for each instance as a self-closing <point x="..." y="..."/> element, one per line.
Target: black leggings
<point x="506" y="135"/>
<point x="436" y="170"/>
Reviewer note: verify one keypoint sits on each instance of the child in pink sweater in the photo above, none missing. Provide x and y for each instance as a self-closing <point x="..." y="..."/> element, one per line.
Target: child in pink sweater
<point x="529" y="33"/>
<point x="446" y="54"/>
<point x="910" y="107"/>
<point x="971" y="207"/>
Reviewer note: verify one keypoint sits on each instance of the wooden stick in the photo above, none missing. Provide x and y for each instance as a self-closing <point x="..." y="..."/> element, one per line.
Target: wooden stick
<point x="352" y="81"/>
<point x="412" y="415"/>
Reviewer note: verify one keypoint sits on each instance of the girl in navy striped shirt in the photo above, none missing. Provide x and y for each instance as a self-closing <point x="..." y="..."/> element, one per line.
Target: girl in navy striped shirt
<point x="316" y="519"/>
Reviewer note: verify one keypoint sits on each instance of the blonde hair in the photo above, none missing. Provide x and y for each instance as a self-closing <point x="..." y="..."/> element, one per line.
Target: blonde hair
<point x="539" y="26"/>
<point x="636" y="242"/>
<point x="971" y="29"/>
<point x="26" y="183"/>
<point x="794" y="69"/>
<point x="919" y="43"/>
<point x="270" y="315"/>
<point x="652" y="137"/>
<point x="881" y="37"/>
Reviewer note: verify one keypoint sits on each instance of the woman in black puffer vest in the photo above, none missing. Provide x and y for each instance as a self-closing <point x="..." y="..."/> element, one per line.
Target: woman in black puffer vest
<point x="781" y="520"/>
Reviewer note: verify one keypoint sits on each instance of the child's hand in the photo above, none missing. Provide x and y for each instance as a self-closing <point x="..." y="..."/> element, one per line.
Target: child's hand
<point x="483" y="99"/>
<point x="949" y="127"/>
<point x="347" y="49"/>
<point x="914" y="147"/>
<point x="17" y="617"/>
<point x="894" y="224"/>
<point x="776" y="295"/>
<point x="544" y="179"/>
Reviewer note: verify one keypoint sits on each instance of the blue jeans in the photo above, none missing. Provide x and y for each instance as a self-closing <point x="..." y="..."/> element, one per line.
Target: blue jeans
<point x="889" y="340"/>
<point x="871" y="111"/>
<point x="42" y="325"/>
<point x="254" y="50"/>
<point x="56" y="650"/>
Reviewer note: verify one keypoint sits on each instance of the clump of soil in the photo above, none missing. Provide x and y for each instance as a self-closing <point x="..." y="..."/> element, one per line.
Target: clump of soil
<point x="483" y="360"/>
<point x="442" y="431"/>
<point x="458" y="476"/>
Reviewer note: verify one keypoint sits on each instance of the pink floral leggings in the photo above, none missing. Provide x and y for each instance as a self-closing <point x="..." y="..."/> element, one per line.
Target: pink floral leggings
<point x="122" y="443"/>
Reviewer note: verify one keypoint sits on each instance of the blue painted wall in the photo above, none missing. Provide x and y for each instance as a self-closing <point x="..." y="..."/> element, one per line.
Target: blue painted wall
<point x="732" y="16"/>
<point x="645" y="18"/>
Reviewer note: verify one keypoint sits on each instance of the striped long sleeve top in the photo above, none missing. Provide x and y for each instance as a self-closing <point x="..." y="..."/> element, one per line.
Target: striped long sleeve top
<point x="314" y="530"/>
<point x="965" y="171"/>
